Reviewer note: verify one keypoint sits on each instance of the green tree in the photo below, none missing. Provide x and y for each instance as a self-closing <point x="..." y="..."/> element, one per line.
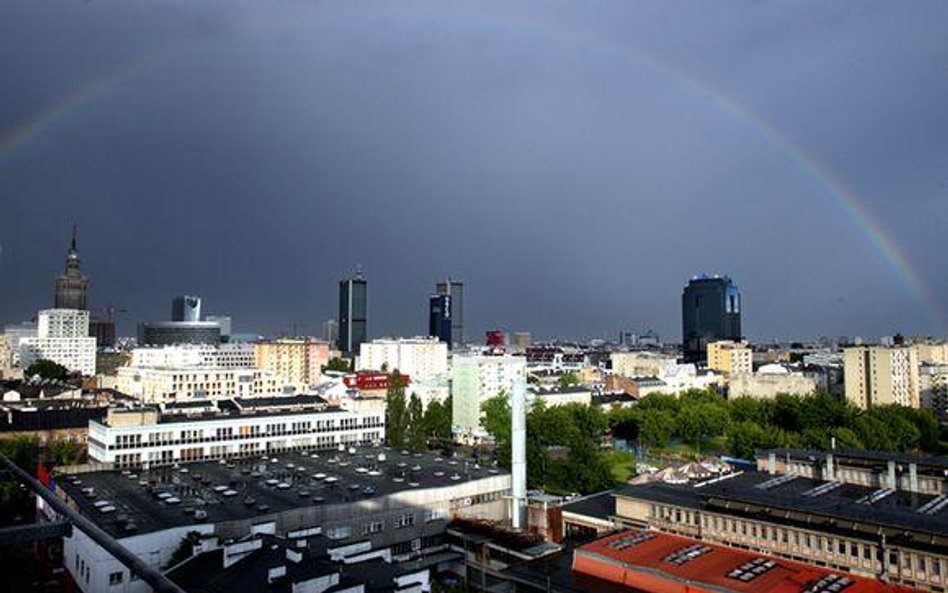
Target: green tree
<point x="47" y="369"/>
<point x="396" y="411"/>
<point x="744" y="438"/>
<point x="416" y="428"/>
<point x="656" y="426"/>
<point x="495" y="419"/>
<point x="337" y="364"/>
<point x="437" y="419"/>
<point x="567" y="380"/>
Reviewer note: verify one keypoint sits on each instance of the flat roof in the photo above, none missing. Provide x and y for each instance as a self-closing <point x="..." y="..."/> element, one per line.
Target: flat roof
<point x="599" y="506"/>
<point x="256" y="483"/>
<point x="796" y="500"/>
<point x="857" y="454"/>
<point x="656" y="561"/>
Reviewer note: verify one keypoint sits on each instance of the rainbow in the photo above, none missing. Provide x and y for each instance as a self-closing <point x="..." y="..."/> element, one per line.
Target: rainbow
<point x="851" y="204"/>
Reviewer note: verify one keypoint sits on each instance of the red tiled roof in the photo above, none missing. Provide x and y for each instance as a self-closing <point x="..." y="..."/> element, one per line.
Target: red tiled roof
<point x="645" y="565"/>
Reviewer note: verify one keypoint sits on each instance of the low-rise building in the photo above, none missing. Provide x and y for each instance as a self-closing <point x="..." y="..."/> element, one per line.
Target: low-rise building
<point x="159" y="385"/>
<point x="144" y="436"/>
<point x="225" y="356"/>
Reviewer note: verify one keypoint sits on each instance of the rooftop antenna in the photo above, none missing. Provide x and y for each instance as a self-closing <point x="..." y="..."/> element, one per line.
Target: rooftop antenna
<point x="74" y="230"/>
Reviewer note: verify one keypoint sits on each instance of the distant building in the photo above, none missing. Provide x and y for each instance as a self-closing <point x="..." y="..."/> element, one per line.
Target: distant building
<point x="933" y="387"/>
<point x="299" y="361"/>
<point x="769" y="382"/>
<point x="421" y="358"/>
<point x="521" y="340"/>
<point x="932" y="352"/>
<point x="495" y="338"/>
<point x="166" y="333"/>
<point x="880" y="375"/>
<point x="710" y="311"/>
<point x="353" y="314"/>
<point x="71" y="286"/>
<point x="62" y="336"/>
<point x="474" y="380"/>
<point x="226" y="324"/>
<point x="6" y="357"/>
<point x="639" y="364"/>
<point x="186" y="308"/>
<point x="225" y="356"/>
<point x="103" y="330"/>
<point x="439" y="318"/>
<point x="727" y="356"/>
<point x="455" y="291"/>
<point x="331" y="331"/>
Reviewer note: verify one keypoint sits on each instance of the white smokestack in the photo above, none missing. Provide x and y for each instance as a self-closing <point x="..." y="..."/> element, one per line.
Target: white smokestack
<point x="518" y="461"/>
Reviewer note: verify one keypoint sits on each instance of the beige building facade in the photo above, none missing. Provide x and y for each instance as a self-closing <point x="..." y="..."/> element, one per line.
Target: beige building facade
<point x="726" y="356"/>
<point x="881" y="375"/>
<point x="298" y="361"/>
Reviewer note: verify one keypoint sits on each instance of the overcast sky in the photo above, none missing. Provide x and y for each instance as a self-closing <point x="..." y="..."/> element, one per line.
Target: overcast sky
<point x="574" y="163"/>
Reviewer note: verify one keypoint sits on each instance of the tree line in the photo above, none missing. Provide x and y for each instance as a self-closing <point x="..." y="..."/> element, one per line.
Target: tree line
<point x="813" y="421"/>
<point x="564" y="450"/>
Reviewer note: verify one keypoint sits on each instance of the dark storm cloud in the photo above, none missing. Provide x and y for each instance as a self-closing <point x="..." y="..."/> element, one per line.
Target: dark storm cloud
<point x="574" y="165"/>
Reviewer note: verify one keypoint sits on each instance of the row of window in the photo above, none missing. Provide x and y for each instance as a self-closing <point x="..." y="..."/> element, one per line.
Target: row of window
<point x="244" y="432"/>
<point x="809" y="545"/>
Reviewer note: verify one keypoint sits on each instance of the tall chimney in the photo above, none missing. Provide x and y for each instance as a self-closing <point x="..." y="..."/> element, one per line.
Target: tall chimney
<point x="518" y="449"/>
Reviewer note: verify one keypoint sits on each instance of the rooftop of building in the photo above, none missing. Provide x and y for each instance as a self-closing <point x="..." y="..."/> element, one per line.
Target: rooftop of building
<point x="601" y="505"/>
<point x="877" y="459"/>
<point x="237" y="407"/>
<point x="828" y="506"/>
<point x="247" y="488"/>
<point x="649" y="556"/>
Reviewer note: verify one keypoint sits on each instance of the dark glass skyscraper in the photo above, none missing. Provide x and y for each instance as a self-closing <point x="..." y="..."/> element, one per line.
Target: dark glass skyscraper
<point x="440" y="318"/>
<point x="71" y="286"/>
<point x="455" y="290"/>
<point x="353" y="314"/>
<point x="710" y="311"/>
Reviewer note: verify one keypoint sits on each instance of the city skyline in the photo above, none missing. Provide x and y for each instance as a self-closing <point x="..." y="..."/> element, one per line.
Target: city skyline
<point x="586" y="162"/>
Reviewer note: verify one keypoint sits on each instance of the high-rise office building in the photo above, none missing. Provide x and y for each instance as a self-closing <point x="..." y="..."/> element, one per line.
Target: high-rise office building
<point x="710" y="311"/>
<point x="439" y="318"/>
<point x="186" y="308"/>
<point x="353" y="314"/>
<point x="455" y="290"/>
<point x="71" y="285"/>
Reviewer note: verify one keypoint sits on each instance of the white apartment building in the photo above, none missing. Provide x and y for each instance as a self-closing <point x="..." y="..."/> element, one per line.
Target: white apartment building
<point x="62" y="335"/>
<point x="419" y="358"/>
<point x="221" y="429"/>
<point x="879" y="375"/>
<point x="164" y="385"/>
<point x="474" y="380"/>
<point x="225" y="356"/>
